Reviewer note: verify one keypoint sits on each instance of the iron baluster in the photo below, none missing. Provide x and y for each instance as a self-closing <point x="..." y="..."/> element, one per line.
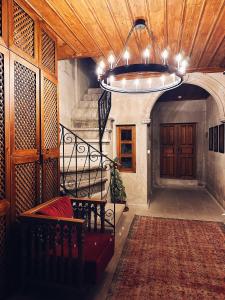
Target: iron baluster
<point x="83" y="163"/>
<point x="104" y="107"/>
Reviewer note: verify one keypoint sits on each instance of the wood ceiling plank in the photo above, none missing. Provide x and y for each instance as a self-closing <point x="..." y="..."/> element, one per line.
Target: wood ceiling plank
<point x="218" y="58"/>
<point x="139" y="10"/>
<point x="157" y="21"/>
<point x="103" y="17"/>
<point x="88" y="20"/>
<point x="122" y="18"/>
<point x="57" y="25"/>
<point x="216" y="37"/>
<point x="65" y="52"/>
<point x="193" y="13"/>
<point x="66" y="14"/>
<point x="174" y="17"/>
<point x="207" y="21"/>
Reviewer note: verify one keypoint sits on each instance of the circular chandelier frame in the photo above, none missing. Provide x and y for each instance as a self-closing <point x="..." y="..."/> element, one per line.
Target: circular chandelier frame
<point x="139" y="69"/>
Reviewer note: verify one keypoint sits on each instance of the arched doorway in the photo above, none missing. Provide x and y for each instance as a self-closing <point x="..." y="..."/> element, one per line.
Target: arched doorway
<point x="187" y="105"/>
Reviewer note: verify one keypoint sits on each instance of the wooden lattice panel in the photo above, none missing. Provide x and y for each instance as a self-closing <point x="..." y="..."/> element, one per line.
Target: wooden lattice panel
<point x="25" y="107"/>
<point x="51" y="179"/>
<point x="2" y="129"/>
<point x="3" y="265"/>
<point x="50" y="115"/>
<point x="24" y="30"/>
<point x="25" y="186"/>
<point x="48" y="49"/>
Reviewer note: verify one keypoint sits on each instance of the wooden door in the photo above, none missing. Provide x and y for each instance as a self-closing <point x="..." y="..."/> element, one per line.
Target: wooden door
<point x="177" y="150"/>
<point x="50" y="137"/>
<point x="186" y="151"/>
<point x="24" y="134"/>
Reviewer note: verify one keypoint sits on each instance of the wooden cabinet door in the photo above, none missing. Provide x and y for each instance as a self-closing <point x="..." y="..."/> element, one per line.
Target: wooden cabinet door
<point x="186" y="151"/>
<point x="50" y="137"/>
<point x="24" y="134"/>
<point x="177" y="150"/>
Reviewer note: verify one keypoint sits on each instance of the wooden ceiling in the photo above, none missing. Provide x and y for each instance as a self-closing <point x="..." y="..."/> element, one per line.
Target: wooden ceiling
<point x="93" y="28"/>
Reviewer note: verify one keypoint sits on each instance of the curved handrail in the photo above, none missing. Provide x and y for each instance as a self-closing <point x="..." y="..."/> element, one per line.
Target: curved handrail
<point x="95" y="149"/>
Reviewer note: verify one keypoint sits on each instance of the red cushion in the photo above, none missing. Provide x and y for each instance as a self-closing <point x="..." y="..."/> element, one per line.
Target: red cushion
<point x="98" y="251"/>
<point x="62" y="207"/>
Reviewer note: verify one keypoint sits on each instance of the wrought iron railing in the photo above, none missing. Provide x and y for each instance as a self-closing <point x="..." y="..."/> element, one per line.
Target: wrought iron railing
<point x="104" y="107"/>
<point x="85" y="171"/>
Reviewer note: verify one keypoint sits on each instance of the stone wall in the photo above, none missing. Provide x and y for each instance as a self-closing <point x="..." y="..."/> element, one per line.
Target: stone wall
<point x="75" y="78"/>
<point x="215" y="161"/>
<point x="67" y="100"/>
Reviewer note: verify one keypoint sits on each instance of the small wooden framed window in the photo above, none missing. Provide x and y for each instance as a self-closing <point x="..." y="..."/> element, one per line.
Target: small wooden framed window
<point x="126" y="148"/>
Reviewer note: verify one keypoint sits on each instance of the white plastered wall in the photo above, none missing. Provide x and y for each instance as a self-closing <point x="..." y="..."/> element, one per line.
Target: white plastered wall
<point x="136" y="109"/>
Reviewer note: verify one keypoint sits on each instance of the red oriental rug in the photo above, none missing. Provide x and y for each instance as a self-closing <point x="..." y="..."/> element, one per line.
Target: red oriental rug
<point x="171" y="259"/>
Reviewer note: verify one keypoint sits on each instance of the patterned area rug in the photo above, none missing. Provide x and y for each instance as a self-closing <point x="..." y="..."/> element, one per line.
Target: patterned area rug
<point x="171" y="259"/>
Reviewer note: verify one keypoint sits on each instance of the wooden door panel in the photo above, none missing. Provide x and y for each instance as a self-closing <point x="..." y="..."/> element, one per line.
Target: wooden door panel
<point x="25" y="134"/>
<point x="24" y="107"/>
<point x="4" y="22"/>
<point x="168" y="167"/>
<point x="177" y="150"/>
<point x="167" y="151"/>
<point x="48" y="50"/>
<point x="4" y="125"/>
<point x="23" y="30"/>
<point x="25" y="184"/>
<point x="186" y="151"/>
<point x="50" y="136"/>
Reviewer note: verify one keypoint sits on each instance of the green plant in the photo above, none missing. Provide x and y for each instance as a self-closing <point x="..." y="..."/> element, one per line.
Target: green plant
<point x="117" y="185"/>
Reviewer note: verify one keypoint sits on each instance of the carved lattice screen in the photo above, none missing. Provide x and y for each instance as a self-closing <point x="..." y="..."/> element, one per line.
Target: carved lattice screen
<point x="2" y="129"/>
<point x="26" y="184"/>
<point x="25" y="107"/>
<point x="48" y="49"/>
<point x="50" y="115"/>
<point x="25" y="136"/>
<point x="50" y="137"/>
<point x="24" y="30"/>
<point x="51" y="179"/>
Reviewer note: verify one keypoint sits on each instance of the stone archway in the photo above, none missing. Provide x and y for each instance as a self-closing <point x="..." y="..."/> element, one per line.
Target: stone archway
<point x="214" y="84"/>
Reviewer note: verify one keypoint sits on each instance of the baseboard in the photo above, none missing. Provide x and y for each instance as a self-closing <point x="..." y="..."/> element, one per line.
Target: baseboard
<point x="214" y="199"/>
<point x="179" y="183"/>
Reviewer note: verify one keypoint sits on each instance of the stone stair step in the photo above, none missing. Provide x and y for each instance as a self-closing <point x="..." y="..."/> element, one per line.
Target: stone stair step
<point x="95" y="91"/>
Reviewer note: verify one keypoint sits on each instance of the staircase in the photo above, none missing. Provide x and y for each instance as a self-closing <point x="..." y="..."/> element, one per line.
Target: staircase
<point x="85" y="170"/>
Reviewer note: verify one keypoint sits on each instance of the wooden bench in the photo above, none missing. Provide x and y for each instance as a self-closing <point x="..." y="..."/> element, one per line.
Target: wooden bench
<point x="62" y="243"/>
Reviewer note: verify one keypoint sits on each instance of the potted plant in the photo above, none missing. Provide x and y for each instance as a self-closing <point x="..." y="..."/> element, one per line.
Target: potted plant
<point x="119" y="189"/>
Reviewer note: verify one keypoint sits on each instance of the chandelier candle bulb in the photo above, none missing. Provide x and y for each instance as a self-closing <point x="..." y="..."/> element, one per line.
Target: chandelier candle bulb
<point x="111" y="60"/>
<point x="184" y="64"/>
<point x="146" y="55"/>
<point x="165" y="55"/>
<point x="102" y="64"/>
<point x="99" y="72"/>
<point x="126" y="56"/>
<point x="178" y="59"/>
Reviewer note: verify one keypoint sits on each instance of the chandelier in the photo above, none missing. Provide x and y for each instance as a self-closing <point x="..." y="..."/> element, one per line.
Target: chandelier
<point x="143" y="77"/>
